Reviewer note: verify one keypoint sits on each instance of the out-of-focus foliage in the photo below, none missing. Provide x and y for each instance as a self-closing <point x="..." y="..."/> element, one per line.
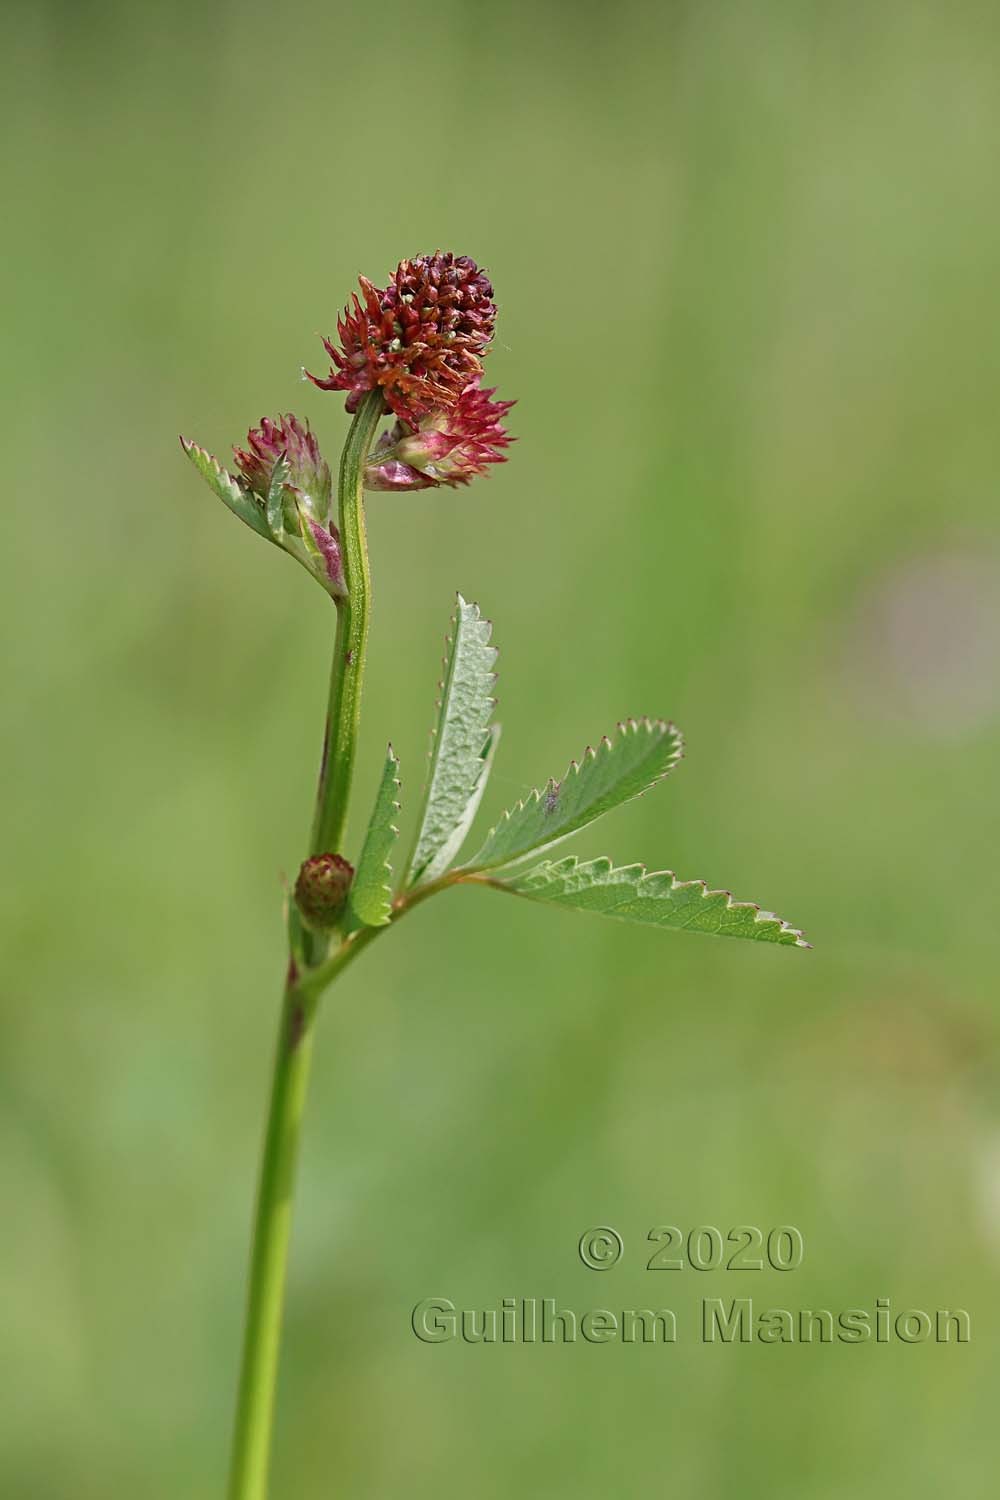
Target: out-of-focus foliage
<point x="746" y="258"/>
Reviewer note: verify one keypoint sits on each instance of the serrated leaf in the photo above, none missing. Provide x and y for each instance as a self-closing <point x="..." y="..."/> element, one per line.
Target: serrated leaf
<point x="228" y="489"/>
<point x="654" y="900"/>
<point x="460" y="758"/>
<point x="370" y="899"/>
<point x="643" y="752"/>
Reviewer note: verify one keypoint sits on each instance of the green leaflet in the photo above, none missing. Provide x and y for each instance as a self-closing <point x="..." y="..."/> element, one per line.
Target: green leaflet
<point x="643" y="752"/>
<point x="461" y="752"/>
<point x="448" y="852"/>
<point x="370" y="898"/>
<point x="227" y="489"/>
<point x="275" y="504"/>
<point x="657" y="900"/>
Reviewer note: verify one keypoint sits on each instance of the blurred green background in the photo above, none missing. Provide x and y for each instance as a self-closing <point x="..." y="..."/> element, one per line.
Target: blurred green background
<point x="746" y="256"/>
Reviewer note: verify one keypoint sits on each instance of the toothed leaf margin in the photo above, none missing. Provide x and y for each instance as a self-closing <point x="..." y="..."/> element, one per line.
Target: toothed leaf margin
<point x="655" y="899"/>
<point x="370" y="898"/>
<point x="228" y="489"/>
<point x="642" y="753"/>
<point x="460" y="758"/>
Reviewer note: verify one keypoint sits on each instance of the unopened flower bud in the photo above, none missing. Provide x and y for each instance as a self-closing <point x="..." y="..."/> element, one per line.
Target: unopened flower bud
<point x="321" y="889"/>
<point x="290" y="443"/>
<point x="445" y="447"/>
<point x="282" y="491"/>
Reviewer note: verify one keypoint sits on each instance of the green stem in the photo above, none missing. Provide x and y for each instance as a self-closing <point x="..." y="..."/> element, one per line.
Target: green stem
<point x="347" y="670"/>
<point x="258" y="1376"/>
<point x="255" y="1403"/>
<point x="272" y="1224"/>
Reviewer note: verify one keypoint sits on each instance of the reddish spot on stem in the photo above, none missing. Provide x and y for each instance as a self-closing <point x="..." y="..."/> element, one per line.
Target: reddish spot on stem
<point x="349" y="658"/>
<point x="296" y="1025"/>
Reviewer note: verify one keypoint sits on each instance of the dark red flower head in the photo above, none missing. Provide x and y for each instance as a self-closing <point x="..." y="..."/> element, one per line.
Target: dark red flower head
<point x="444" y="447"/>
<point x="421" y="339"/>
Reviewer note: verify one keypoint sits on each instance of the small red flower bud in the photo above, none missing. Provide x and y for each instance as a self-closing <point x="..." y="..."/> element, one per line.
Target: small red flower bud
<point x="444" y="447"/>
<point x="321" y="889"/>
<point x="308" y="471"/>
<point x="421" y="339"/>
<point x="298" y="513"/>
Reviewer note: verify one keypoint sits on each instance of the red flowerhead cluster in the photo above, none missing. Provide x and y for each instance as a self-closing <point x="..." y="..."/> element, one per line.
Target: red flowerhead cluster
<point x="419" y="344"/>
<point x="421" y="340"/>
<point x="445" y="447"/>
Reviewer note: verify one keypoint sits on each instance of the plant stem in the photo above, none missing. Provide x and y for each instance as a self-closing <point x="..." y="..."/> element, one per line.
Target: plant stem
<point x="272" y="1224"/>
<point x="255" y="1403"/>
<point x="255" y="1406"/>
<point x="347" y="669"/>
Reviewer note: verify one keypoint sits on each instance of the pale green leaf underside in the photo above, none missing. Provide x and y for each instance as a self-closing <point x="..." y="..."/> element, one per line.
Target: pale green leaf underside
<point x="460" y="751"/>
<point x="451" y="846"/>
<point x="655" y="900"/>
<point x="227" y="488"/>
<point x="370" y="897"/>
<point x="642" y="752"/>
